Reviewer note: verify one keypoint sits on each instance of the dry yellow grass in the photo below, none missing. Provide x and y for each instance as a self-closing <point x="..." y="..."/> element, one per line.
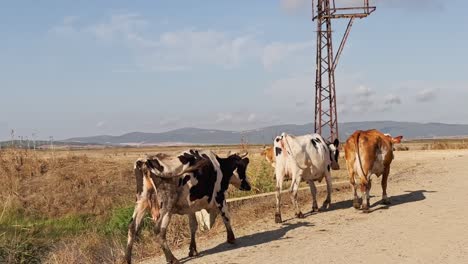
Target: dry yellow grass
<point x="74" y="205"/>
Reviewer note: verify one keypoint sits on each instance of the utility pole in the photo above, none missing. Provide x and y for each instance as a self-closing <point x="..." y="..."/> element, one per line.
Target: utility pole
<point x="51" y="139"/>
<point x="34" y="140"/>
<point x="326" y="118"/>
<point x="12" y="133"/>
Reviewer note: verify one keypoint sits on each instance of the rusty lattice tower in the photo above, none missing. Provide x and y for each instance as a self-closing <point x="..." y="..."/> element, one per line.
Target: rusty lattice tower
<point x="324" y="11"/>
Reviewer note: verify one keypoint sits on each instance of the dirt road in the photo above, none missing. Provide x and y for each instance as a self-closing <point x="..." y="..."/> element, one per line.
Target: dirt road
<point x="426" y="223"/>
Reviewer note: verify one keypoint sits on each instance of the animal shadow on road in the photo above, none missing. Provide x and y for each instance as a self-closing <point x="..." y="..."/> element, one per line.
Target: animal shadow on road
<point x="407" y="197"/>
<point x="253" y="239"/>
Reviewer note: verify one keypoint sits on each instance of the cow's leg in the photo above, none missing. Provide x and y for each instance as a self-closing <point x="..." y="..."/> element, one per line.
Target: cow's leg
<point x="356" y="203"/>
<point x="313" y="193"/>
<point x="369" y="185"/>
<point x="294" y="188"/>
<point x="227" y="222"/>
<point x="279" y="188"/>
<point x="193" y="229"/>
<point x="327" y="201"/>
<point x="385" y="199"/>
<point x="364" y="205"/>
<point x="160" y="230"/>
<point x="365" y="189"/>
<point x="352" y="182"/>
<point x="135" y="224"/>
<point x="154" y="206"/>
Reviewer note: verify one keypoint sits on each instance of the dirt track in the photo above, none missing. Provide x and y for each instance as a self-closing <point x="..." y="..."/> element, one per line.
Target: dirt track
<point x="426" y="223"/>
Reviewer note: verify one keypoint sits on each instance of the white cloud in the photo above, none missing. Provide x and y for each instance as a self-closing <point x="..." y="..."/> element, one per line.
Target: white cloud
<point x="169" y="51"/>
<point x="426" y="95"/>
<point x="191" y="47"/>
<point x="363" y="91"/>
<point x="366" y="101"/>
<point x="252" y="118"/>
<point x="392" y="99"/>
<point x="127" y="26"/>
<point x="100" y="124"/>
<point x="275" y="53"/>
<point x="183" y="49"/>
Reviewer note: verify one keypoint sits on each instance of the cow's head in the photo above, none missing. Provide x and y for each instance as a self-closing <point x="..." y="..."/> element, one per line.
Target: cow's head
<point x="239" y="175"/>
<point x="393" y="140"/>
<point x="397" y="139"/>
<point x="334" y="154"/>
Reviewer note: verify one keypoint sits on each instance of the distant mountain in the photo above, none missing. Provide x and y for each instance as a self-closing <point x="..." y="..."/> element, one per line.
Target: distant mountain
<point x="265" y="135"/>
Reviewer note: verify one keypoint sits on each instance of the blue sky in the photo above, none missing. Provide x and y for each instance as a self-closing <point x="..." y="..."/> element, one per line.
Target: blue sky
<point x="78" y="68"/>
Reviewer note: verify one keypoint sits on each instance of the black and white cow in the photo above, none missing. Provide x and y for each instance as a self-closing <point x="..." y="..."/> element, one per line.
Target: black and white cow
<point x="184" y="184"/>
<point x="307" y="158"/>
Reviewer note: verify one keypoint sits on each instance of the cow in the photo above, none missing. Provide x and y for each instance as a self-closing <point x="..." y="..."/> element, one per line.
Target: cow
<point x="308" y="157"/>
<point x="367" y="153"/>
<point x="267" y="152"/>
<point x="184" y="184"/>
<point x="269" y="155"/>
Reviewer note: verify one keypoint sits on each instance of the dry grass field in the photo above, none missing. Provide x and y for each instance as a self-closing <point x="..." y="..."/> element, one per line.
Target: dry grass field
<point x="74" y="205"/>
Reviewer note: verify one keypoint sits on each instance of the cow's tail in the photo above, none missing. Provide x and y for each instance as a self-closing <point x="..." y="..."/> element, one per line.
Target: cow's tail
<point x="139" y="176"/>
<point x="138" y="170"/>
<point x="151" y="194"/>
<point x="364" y="175"/>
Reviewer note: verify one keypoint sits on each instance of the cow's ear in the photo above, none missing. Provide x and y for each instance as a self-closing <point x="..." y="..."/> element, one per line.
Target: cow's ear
<point x="138" y="164"/>
<point x="186" y="158"/>
<point x="154" y="164"/>
<point x="245" y="161"/>
<point x="336" y="143"/>
<point x="397" y="139"/>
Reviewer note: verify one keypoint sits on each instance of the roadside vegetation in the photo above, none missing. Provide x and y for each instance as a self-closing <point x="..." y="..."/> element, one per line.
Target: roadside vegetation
<point x="68" y="206"/>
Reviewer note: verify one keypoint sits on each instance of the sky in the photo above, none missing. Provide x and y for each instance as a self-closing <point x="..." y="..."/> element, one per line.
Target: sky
<point x="83" y="68"/>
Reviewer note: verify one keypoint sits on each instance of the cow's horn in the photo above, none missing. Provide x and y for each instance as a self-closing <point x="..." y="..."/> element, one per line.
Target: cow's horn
<point x="228" y="153"/>
<point x="243" y="155"/>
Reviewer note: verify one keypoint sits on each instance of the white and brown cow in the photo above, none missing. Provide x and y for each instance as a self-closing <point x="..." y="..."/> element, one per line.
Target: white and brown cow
<point x="367" y="153"/>
<point x="308" y="158"/>
<point x="183" y="185"/>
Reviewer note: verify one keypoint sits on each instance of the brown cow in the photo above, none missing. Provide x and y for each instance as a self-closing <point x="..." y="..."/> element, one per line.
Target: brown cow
<point x="269" y="155"/>
<point x="369" y="152"/>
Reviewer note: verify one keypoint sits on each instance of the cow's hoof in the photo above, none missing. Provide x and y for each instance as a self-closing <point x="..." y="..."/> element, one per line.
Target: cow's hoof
<point x="125" y="259"/>
<point x="174" y="261"/>
<point x="386" y="201"/>
<point x="300" y="215"/>
<point x="315" y="209"/>
<point x="356" y="204"/>
<point x="193" y="253"/>
<point x="365" y="208"/>
<point x="325" y="206"/>
<point x="231" y="240"/>
<point x="278" y="218"/>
